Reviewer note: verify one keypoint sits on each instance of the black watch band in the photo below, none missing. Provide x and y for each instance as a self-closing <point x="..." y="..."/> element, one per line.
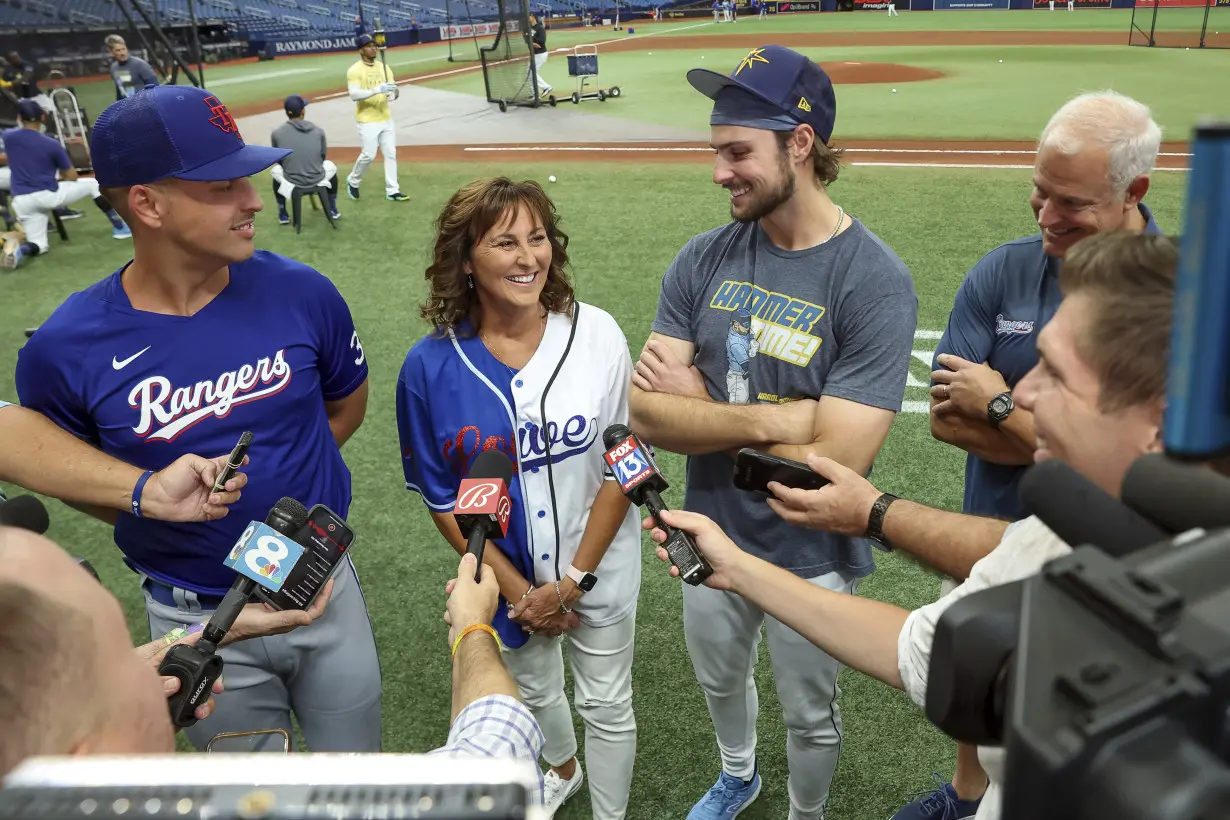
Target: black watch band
<point x="875" y="523"/>
<point x="999" y="408"/>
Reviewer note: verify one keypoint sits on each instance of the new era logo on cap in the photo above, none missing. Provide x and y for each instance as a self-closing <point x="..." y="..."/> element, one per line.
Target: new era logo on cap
<point x="172" y="131"/>
<point x="786" y="80"/>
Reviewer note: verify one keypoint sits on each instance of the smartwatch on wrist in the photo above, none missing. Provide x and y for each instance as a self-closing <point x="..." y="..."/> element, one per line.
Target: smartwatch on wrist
<point x="585" y="580"/>
<point x="875" y="524"/>
<point x="999" y="408"/>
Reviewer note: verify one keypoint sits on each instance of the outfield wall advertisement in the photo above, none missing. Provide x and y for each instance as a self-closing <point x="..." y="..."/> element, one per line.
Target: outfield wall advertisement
<point x="470" y="30"/>
<point x="1178" y="4"/>
<point x="880" y="5"/>
<point x="966" y="5"/>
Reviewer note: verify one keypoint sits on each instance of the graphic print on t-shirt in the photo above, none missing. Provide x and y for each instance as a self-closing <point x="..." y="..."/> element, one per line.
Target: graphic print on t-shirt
<point x="764" y="323"/>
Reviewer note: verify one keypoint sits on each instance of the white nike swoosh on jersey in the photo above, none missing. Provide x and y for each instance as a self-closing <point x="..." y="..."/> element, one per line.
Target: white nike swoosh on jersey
<point x="120" y="365"/>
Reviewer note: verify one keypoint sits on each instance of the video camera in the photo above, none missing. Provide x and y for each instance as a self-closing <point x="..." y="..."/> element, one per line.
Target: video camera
<point x="272" y="787"/>
<point x="1106" y="676"/>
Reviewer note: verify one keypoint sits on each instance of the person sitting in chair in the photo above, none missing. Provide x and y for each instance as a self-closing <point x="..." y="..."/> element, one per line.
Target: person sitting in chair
<point x="306" y="166"/>
<point x="43" y="180"/>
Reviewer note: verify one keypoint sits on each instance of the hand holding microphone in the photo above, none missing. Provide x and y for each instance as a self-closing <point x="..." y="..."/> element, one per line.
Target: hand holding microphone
<point x="721" y="554"/>
<point x="483" y="504"/>
<point x="643" y="484"/>
<point x="199" y="666"/>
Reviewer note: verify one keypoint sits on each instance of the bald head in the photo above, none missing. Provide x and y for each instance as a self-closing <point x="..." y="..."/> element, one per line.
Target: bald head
<point x="72" y="683"/>
<point x="1114" y="126"/>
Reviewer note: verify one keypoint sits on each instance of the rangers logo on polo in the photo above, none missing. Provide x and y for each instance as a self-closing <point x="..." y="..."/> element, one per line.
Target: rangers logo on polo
<point x="172" y="410"/>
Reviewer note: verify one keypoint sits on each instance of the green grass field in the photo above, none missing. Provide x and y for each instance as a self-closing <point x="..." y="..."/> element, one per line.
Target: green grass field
<point x="627" y="221"/>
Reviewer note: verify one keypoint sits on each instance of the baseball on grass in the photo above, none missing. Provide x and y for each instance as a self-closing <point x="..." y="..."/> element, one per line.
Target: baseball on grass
<point x="551" y="178"/>
<point x="894" y="91"/>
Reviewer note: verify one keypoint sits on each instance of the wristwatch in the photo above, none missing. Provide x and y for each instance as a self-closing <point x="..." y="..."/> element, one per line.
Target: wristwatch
<point x="999" y="407"/>
<point x="585" y="580"/>
<point x="875" y="523"/>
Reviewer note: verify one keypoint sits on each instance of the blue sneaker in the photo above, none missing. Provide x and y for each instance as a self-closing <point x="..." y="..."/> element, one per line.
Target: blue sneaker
<point x="121" y="232"/>
<point x="283" y="217"/>
<point x="940" y="804"/>
<point x="728" y="797"/>
<point x="352" y="191"/>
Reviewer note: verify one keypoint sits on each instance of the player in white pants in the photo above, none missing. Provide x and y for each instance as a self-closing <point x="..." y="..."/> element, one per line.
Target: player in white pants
<point x="42" y="179"/>
<point x="371" y="86"/>
<point x="892" y="9"/>
<point x="539" y="37"/>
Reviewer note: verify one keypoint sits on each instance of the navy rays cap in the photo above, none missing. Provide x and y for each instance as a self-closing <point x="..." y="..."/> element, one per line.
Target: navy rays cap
<point x="362" y="40"/>
<point x="773" y="88"/>
<point x="30" y="111"/>
<point x="173" y="131"/>
<point x="294" y="105"/>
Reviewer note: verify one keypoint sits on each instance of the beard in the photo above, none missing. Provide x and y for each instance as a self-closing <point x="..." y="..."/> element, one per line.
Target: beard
<point x="761" y="202"/>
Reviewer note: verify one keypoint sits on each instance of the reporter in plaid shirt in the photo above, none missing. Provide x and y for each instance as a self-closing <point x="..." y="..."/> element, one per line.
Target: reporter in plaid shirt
<point x="489" y="719"/>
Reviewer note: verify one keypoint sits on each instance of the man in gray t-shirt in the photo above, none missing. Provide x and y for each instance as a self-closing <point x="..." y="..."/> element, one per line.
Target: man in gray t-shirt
<point x="130" y="74"/>
<point x="789" y="331"/>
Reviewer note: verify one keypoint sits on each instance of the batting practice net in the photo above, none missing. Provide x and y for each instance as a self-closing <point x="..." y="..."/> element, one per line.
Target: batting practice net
<point x="1181" y="23"/>
<point x="508" y="63"/>
<point x="463" y="30"/>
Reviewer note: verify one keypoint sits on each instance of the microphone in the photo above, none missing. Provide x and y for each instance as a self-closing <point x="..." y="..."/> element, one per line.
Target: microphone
<point x="1176" y="496"/>
<point x="264" y="555"/>
<point x="483" y="506"/>
<point x="25" y="512"/>
<point x="28" y="513"/>
<point x="1080" y="512"/>
<point x="642" y="482"/>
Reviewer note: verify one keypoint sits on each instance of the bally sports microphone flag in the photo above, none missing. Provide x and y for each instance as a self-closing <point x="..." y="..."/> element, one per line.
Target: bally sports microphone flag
<point x="483" y="505"/>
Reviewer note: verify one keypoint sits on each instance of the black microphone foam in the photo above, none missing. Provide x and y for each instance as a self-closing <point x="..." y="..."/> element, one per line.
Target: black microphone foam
<point x="1176" y="496"/>
<point x="492" y="464"/>
<point x="615" y="433"/>
<point x="1080" y="512"/>
<point x="25" y="512"/>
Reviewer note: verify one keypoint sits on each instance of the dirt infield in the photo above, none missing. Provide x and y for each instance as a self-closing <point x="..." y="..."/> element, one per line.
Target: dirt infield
<point x="935" y="153"/>
<point x="851" y="73"/>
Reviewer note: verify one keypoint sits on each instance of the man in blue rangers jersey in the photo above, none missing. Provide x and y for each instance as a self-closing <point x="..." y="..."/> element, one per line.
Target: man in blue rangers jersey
<point x="196" y="340"/>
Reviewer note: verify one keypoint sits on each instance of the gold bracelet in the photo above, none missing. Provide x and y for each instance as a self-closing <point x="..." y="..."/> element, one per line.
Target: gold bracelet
<point x="475" y="628"/>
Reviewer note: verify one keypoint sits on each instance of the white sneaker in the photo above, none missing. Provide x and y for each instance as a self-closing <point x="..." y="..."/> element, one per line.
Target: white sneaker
<point x="556" y="790"/>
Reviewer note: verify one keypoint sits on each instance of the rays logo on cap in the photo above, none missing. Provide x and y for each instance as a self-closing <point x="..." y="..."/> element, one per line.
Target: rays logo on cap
<point x="756" y="55"/>
<point x="221" y="118"/>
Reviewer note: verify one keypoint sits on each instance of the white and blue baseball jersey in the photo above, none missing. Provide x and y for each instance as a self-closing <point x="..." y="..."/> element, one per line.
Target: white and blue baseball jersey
<point x="455" y="400"/>
<point x="265" y="355"/>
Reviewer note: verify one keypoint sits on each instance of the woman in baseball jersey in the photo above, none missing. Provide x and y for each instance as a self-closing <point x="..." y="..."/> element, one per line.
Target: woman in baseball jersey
<point x="516" y="363"/>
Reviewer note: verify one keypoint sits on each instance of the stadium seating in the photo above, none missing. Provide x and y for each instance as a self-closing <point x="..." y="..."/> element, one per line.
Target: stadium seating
<point x="259" y="19"/>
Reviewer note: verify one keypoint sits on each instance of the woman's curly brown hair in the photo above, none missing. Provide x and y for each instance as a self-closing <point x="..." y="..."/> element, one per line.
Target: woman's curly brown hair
<point x="469" y="214"/>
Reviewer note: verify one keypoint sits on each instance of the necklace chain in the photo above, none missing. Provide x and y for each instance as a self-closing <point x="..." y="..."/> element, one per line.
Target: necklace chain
<point x="841" y="217"/>
<point x="487" y="341"/>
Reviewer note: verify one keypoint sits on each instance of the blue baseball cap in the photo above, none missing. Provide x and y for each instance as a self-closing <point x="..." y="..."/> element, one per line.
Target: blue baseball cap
<point x="773" y="88"/>
<point x="29" y="110"/>
<point x="173" y="131"/>
<point x="362" y="40"/>
<point x="294" y="105"/>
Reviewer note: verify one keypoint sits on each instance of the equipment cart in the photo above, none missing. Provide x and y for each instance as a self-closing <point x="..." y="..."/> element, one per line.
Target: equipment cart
<point x="583" y="64"/>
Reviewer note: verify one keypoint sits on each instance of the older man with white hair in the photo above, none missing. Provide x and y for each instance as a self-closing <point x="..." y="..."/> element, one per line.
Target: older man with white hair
<point x="1091" y="175"/>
